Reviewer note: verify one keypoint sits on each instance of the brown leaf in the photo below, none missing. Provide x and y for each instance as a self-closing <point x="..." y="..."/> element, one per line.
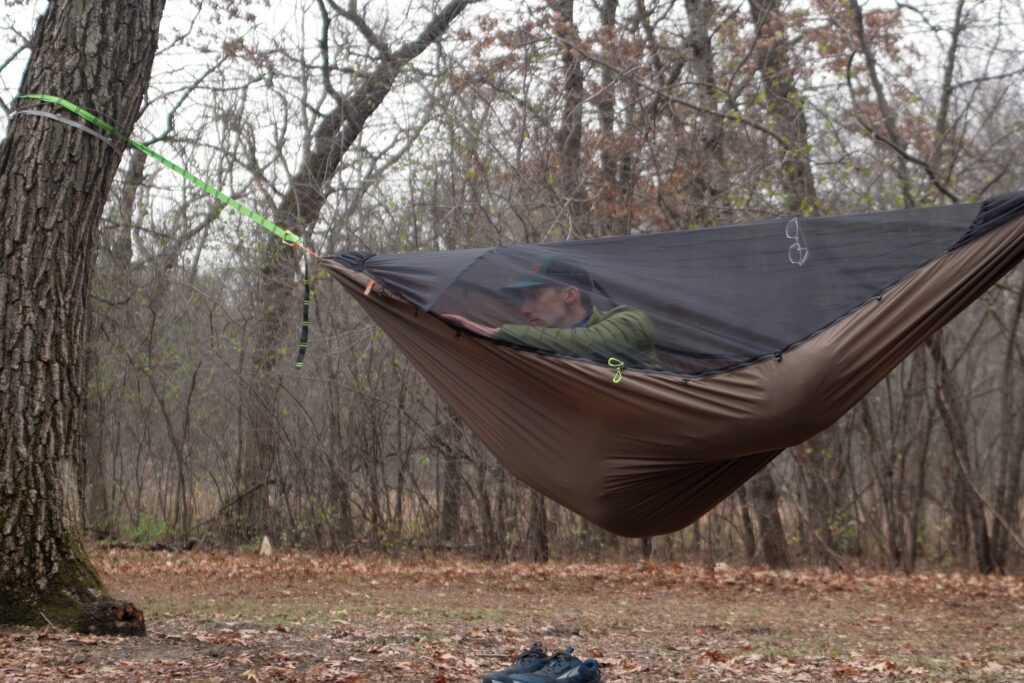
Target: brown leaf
<point x="883" y="666"/>
<point x="846" y="670"/>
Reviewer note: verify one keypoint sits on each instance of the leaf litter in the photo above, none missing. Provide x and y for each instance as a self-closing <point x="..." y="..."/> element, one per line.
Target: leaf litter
<point x="314" y="617"/>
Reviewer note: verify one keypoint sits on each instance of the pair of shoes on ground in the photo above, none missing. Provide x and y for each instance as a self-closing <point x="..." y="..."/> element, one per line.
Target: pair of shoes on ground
<point x="536" y="666"/>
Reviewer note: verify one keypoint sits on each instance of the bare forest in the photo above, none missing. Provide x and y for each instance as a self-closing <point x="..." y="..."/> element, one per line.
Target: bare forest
<point x="446" y="125"/>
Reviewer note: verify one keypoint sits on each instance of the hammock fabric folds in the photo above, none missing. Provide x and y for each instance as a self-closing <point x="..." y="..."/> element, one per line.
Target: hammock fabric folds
<point x="763" y="335"/>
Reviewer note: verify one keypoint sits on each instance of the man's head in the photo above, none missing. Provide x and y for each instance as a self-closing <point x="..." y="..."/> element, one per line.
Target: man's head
<point x="555" y="293"/>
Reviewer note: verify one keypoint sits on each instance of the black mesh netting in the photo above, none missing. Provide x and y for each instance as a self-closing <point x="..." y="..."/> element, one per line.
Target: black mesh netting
<point x="717" y="298"/>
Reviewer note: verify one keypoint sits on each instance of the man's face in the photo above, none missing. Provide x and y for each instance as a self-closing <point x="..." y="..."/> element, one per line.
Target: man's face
<point x="549" y="306"/>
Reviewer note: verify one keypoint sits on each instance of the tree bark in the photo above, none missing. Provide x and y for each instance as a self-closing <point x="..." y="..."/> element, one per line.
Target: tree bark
<point x="54" y="181"/>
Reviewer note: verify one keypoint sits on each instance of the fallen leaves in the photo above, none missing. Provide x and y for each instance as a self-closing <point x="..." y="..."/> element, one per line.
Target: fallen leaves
<point x="311" y="617"/>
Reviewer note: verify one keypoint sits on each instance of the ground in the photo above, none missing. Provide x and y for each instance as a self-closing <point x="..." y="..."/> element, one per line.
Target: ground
<point x="306" y="617"/>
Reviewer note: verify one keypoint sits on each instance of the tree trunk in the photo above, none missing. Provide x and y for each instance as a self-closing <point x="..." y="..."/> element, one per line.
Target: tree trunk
<point x="615" y="197"/>
<point x="785" y="106"/>
<point x="570" y="133"/>
<point x="812" y="459"/>
<point x="709" y="178"/>
<point x="54" y="181"/>
<point x="339" y="465"/>
<point x="540" y="551"/>
<point x="772" y="534"/>
<point x="954" y="417"/>
<point x="447" y="444"/>
<point x="919" y="422"/>
<point x="488" y="534"/>
<point x="748" y="535"/>
<point x="93" y="477"/>
<point x="1008" y="488"/>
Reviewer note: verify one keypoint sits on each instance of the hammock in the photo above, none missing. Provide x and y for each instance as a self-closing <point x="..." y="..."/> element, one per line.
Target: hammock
<point x="764" y="334"/>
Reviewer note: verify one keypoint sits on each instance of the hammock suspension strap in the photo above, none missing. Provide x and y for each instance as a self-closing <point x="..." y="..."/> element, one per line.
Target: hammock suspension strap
<point x="287" y="236"/>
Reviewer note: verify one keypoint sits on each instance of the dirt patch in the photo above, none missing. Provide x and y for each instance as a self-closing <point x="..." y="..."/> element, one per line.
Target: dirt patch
<point x="307" y="617"/>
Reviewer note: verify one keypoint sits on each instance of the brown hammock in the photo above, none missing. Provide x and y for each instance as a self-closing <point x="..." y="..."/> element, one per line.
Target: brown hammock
<point x="651" y="454"/>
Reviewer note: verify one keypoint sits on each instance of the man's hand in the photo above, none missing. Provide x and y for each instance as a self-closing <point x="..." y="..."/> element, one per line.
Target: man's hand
<point x="476" y="328"/>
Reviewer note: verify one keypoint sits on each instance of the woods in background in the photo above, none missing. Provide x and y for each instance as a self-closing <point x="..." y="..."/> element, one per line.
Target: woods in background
<point x="461" y="125"/>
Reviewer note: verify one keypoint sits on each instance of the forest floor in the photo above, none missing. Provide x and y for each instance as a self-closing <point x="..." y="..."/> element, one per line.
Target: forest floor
<point x="309" y="617"/>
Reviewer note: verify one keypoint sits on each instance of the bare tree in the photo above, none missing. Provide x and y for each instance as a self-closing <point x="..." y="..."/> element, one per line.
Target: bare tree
<point x="335" y="132"/>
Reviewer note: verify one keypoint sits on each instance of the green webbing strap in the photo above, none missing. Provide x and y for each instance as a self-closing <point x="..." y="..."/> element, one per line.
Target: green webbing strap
<point x="286" y="235"/>
<point x="304" y="334"/>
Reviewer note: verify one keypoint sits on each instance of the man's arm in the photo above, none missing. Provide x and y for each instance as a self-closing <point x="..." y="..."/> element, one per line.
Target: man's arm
<point x="478" y="328"/>
<point x="626" y="333"/>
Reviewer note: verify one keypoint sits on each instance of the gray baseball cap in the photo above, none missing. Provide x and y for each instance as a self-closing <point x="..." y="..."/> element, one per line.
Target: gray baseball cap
<point x="552" y="270"/>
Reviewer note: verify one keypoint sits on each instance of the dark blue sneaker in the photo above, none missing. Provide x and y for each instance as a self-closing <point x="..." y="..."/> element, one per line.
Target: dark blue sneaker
<point x="529" y="661"/>
<point x="562" y="667"/>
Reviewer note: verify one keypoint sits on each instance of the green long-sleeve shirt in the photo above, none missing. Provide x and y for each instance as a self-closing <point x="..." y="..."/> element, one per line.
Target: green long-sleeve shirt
<point x="621" y="332"/>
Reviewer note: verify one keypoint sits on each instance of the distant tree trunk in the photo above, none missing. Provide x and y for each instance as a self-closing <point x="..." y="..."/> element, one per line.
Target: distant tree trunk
<point x="570" y="132"/>
<point x="881" y="457"/>
<point x="95" y="499"/>
<point x="709" y="179"/>
<point x="915" y="460"/>
<point x="540" y="551"/>
<point x="812" y="460"/>
<point x="451" y="499"/>
<point x="116" y="246"/>
<point x="616" y="157"/>
<point x="697" y="536"/>
<point x="915" y="509"/>
<point x="954" y="416"/>
<point x="340" y="465"/>
<point x="766" y="505"/>
<point x="1008" y="488"/>
<point x="749" y="537"/>
<point x="786" y="112"/>
<point x="503" y="515"/>
<point x="54" y="181"/>
<point x="489" y="541"/>
<point x="785" y="106"/>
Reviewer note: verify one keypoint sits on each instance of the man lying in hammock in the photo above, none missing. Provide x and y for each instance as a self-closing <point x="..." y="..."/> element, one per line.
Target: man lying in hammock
<point x="555" y="298"/>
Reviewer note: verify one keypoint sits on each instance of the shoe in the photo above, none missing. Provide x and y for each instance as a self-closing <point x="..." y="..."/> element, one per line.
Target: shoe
<point x="562" y="667"/>
<point x="527" y="662"/>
